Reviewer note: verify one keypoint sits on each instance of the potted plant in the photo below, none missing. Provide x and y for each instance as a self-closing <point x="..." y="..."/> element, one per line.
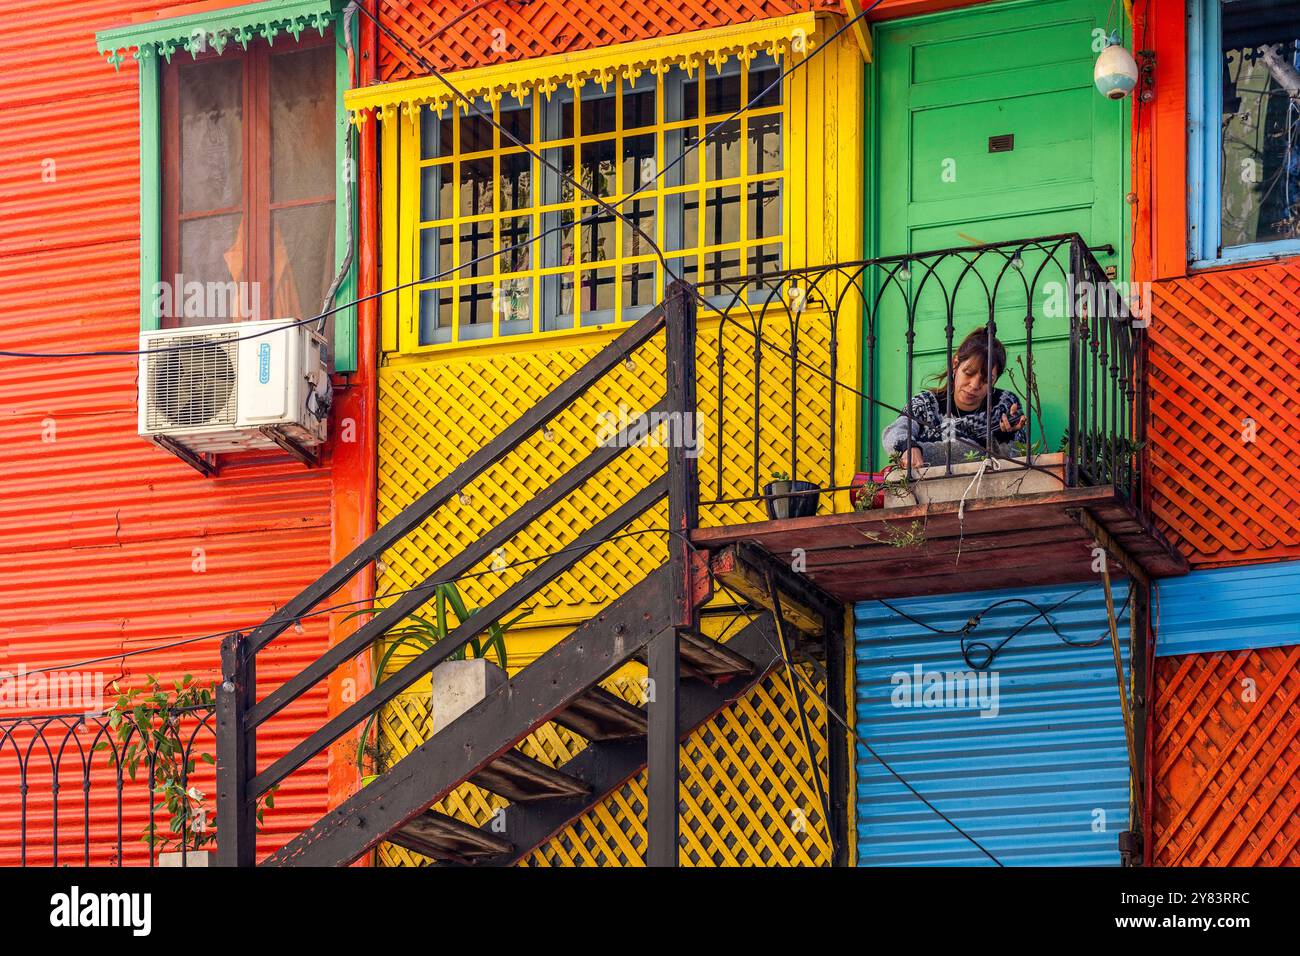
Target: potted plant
<point x="147" y="724"/>
<point x="461" y="680"/>
<point x="789" y="498"/>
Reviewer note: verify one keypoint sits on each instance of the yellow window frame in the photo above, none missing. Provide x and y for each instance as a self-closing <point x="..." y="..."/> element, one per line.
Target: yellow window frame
<point x="688" y="186"/>
<point x="398" y="106"/>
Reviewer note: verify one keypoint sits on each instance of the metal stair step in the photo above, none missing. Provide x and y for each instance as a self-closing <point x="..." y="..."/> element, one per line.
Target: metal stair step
<point x="521" y="779"/>
<point x="600" y="715"/>
<point x="706" y="659"/>
<point x="446" y="839"/>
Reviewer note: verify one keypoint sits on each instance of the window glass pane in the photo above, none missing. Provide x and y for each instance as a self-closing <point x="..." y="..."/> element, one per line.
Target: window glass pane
<point x="516" y="306"/>
<point x="476" y="252"/>
<point x="302" y="124"/>
<point x="516" y="181"/>
<point x="638" y="107"/>
<point x="518" y="121"/>
<point x="516" y="250"/>
<point x="721" y="215"/>
<point x="435" y="316"/>
<point x="721" y="270"/>
<point x="764" y="144"/>
<point x="1261" y="121"/>
<point x="722" y="95"/>
<point x="211" y="135"/>
<point x="435" y="193"/>
<point x="476" y="131"/>
<point x="597" y="113"/>
<point x="639" y="166"/>
<point x="639" y="285"/>
<point x="723" y="151"/>
<point x="764" y="209"/>
<point x="636" y="242"/>
<point x="212" y="253"/>
<point x="597" y="235"/>
<point x="435" y="134"/>
<point x="760" y="78"/>
<point x="435" y="254"/>
<point x="476" y="311"/>
<point x="475" y="187"/>
<point x="302" y="260"/>
<point x="597" y="295"/>
<point x="690" y="98"/>
<point x="598" y="167"/>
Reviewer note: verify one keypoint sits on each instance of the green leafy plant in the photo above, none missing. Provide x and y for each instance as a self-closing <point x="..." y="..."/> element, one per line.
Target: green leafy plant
<point x="147" y="722"/>
<point x="780" y="476"/>
<point x="417" y="632"/>
<point x="898" y="483"/>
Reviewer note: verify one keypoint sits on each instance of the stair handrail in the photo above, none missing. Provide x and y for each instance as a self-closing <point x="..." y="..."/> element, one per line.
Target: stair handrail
<point x="239" y="713"/>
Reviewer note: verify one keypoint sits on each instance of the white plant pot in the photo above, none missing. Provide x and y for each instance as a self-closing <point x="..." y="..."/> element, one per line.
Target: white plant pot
<point x="173" y="858"/>
<point x="933" y="483"/>
<point x="459" y="685"/>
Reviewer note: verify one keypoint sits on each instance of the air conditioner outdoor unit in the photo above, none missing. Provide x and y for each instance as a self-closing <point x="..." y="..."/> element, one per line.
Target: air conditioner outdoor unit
<point x="232" y="387"/>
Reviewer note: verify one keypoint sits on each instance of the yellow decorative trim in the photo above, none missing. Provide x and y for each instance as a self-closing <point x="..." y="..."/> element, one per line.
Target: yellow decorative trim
<point x="545" y="75"/>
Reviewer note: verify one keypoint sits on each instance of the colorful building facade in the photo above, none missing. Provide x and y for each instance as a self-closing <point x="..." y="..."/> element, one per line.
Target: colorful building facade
<point x="451" y="199"/>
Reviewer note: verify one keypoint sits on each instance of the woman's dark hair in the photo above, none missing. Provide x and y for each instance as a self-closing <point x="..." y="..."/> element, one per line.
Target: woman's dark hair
<point x="975" y="346"/>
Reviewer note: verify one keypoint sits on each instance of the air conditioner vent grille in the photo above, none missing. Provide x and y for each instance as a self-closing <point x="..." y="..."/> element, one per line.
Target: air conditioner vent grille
<point x="191" y="386"/>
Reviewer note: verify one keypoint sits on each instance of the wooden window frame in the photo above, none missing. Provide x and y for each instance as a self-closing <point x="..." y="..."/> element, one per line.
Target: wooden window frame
<point x="256" y="203"/>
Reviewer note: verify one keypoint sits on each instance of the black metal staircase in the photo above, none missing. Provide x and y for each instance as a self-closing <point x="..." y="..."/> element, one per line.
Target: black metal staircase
<point x="656" y="622"/>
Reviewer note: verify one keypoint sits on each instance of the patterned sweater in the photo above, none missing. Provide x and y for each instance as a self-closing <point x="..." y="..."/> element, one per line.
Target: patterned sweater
<point x="939" y="437"/>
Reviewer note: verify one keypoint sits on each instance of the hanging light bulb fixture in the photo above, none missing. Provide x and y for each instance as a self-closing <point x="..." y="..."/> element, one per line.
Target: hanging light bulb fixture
<point x="1116" y="72"/>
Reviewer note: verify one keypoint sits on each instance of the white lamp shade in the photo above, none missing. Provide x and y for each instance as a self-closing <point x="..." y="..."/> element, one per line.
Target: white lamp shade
<point x="1116" y="72"/>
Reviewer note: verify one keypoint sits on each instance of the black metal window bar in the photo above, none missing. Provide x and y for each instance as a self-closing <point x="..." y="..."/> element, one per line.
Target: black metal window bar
<point x="70" y="798"/>
<point x="1027" y="292"/>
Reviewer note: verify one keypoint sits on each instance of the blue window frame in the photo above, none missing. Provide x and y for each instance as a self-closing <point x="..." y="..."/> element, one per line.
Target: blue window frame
<point x="1244" y="123"/>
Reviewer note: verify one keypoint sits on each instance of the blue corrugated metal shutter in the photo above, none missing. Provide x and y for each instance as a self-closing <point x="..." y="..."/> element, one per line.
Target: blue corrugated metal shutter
<point x="1044" y="781"/>
<point x="1228" y="609"/>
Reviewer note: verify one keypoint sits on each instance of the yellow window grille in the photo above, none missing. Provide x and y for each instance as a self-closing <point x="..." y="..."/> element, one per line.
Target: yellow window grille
<point x="513" y="249"/>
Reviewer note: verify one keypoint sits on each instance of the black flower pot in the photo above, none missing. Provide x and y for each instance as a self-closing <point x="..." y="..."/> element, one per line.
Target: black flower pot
<point x="784" y="501"/>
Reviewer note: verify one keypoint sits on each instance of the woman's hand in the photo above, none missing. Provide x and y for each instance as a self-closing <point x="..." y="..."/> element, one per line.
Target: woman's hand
<point x="912" y="458"/>
<point x="1016" y="417"/>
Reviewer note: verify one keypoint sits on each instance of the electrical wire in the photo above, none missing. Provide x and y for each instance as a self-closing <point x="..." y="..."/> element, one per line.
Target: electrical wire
<point x="318" y="612"/>
<point x="991" y="650"/>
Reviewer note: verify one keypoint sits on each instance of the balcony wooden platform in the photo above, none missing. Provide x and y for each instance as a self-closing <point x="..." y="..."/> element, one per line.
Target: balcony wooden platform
<point x="1020" y="541"/>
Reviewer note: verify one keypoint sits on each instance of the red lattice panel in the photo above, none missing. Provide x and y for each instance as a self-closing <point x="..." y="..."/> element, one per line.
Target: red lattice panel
<point x="1227" y="754"/>
<point x="1225" y="347"/>
<point x="519" y="29"/>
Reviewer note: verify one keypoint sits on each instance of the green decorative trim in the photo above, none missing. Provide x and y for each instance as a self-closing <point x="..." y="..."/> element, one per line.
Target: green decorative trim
<point x="215" y="29"/>
<point x="277" y="13"/>
<point x="150" y="190"/>
<point x="345" y="184"/>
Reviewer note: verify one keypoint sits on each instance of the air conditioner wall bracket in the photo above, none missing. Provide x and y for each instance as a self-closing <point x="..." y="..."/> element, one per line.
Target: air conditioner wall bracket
<point x="205" y="464"/>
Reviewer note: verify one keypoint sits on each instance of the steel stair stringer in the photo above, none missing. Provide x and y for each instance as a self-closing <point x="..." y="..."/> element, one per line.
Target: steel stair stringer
<point x="606" y="765"/>
<point x="470" y="744"/>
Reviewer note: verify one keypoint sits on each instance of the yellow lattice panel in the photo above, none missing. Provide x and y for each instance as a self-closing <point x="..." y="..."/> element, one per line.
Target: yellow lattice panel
<point x="748" y="794"/>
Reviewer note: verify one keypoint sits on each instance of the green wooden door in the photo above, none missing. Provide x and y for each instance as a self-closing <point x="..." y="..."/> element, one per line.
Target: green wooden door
<point x="947" y="92"/>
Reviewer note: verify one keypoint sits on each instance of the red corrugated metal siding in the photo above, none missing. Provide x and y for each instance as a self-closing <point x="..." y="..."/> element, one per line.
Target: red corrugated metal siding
<point x="98" y="528"/>
<point x="502" y="32"/>
<point x="1227" y="759"/>
<point x="1225" y="346"/>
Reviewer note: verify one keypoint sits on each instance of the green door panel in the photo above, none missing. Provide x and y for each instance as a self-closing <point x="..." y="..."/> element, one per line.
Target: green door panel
<point x="941" y="88"/>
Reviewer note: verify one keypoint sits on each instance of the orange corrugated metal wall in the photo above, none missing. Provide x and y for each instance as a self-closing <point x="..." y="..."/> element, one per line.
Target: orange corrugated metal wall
<point x="98" y="529"/>
<point x="518" y="29"/>
<point x="1227" y="759"/>
<point x="1224" y="349"/>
